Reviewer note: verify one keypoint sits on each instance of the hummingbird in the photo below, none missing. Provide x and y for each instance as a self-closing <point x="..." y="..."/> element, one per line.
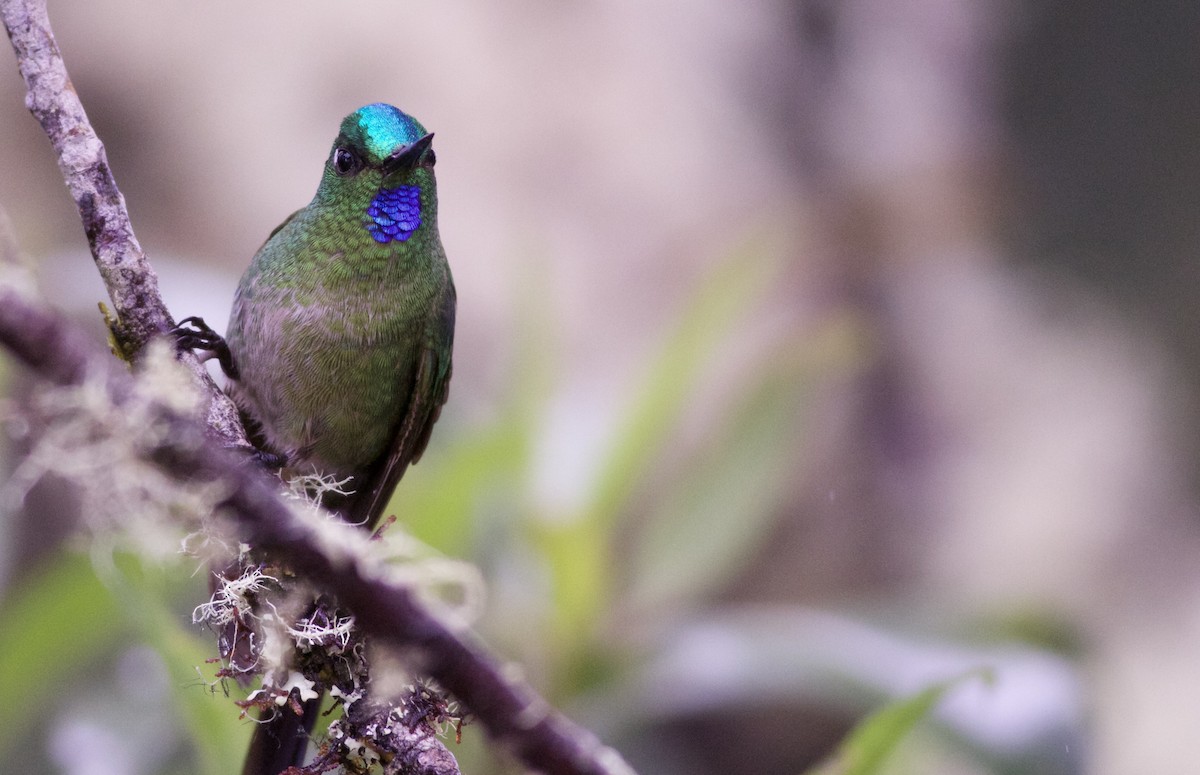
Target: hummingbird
<point x="342" y="327"/>
<point x="338" y="348"/>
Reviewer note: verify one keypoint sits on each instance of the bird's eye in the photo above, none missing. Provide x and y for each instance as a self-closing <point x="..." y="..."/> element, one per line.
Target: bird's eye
<point x="344" y="161"/>
<point x="429" y="159"/>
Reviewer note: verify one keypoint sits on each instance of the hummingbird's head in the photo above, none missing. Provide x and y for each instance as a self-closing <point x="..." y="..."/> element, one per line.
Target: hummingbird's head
<point x="381" y="164"/>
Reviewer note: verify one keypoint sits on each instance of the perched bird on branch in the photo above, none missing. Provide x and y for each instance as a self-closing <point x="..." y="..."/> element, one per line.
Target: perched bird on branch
<point x="339" y="345"/>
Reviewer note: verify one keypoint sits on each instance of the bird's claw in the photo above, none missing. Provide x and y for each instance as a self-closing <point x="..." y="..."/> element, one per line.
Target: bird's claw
<point x="192" y="333"/>
<point x="269" y="460"/>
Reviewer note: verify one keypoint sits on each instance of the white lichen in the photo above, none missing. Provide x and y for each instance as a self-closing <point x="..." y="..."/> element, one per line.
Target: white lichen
<point x="333" y="636"/>
<point x="231" y="598"/>
<point x="82" y="437"/>
<point x="304" y="688"/>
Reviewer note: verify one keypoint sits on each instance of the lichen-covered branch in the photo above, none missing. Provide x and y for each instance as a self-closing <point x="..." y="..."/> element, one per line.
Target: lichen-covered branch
<point x="513" y="714"/>
<point x="131" y="282"/>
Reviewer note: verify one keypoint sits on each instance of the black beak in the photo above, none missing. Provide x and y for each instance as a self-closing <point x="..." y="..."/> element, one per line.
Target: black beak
<point x="406" y="157"/>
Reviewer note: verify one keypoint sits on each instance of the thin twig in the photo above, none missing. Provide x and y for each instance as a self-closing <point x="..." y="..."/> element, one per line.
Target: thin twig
<point x="52" y="99"/>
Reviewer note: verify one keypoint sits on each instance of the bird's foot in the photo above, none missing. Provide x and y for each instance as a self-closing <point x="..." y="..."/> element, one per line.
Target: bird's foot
<point x="269" y="460"/>
<point x="192" y="333"/>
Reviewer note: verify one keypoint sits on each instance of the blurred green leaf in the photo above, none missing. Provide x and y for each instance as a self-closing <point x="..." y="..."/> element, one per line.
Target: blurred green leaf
<point x="65" y="618"/>
<point x="729" y="291"/>
<point x="579" y="550"/>
<point x="54" y="625"/>
<point x="577" y="555"/>
<point x="439" y="503"/>
<point x="722" y="505"/>
<point x="218" y="737"/>
<point x="867" y="748"/>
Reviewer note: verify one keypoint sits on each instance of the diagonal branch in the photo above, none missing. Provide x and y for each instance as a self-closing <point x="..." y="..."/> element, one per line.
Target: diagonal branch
<point x="512" y="712"/>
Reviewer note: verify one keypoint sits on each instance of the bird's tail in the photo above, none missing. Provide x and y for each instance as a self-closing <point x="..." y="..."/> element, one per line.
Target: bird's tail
<point x="282" y="741"/>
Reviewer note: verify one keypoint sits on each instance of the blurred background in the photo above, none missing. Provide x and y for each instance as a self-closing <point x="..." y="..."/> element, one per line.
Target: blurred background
<point x="808" y="354"/>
